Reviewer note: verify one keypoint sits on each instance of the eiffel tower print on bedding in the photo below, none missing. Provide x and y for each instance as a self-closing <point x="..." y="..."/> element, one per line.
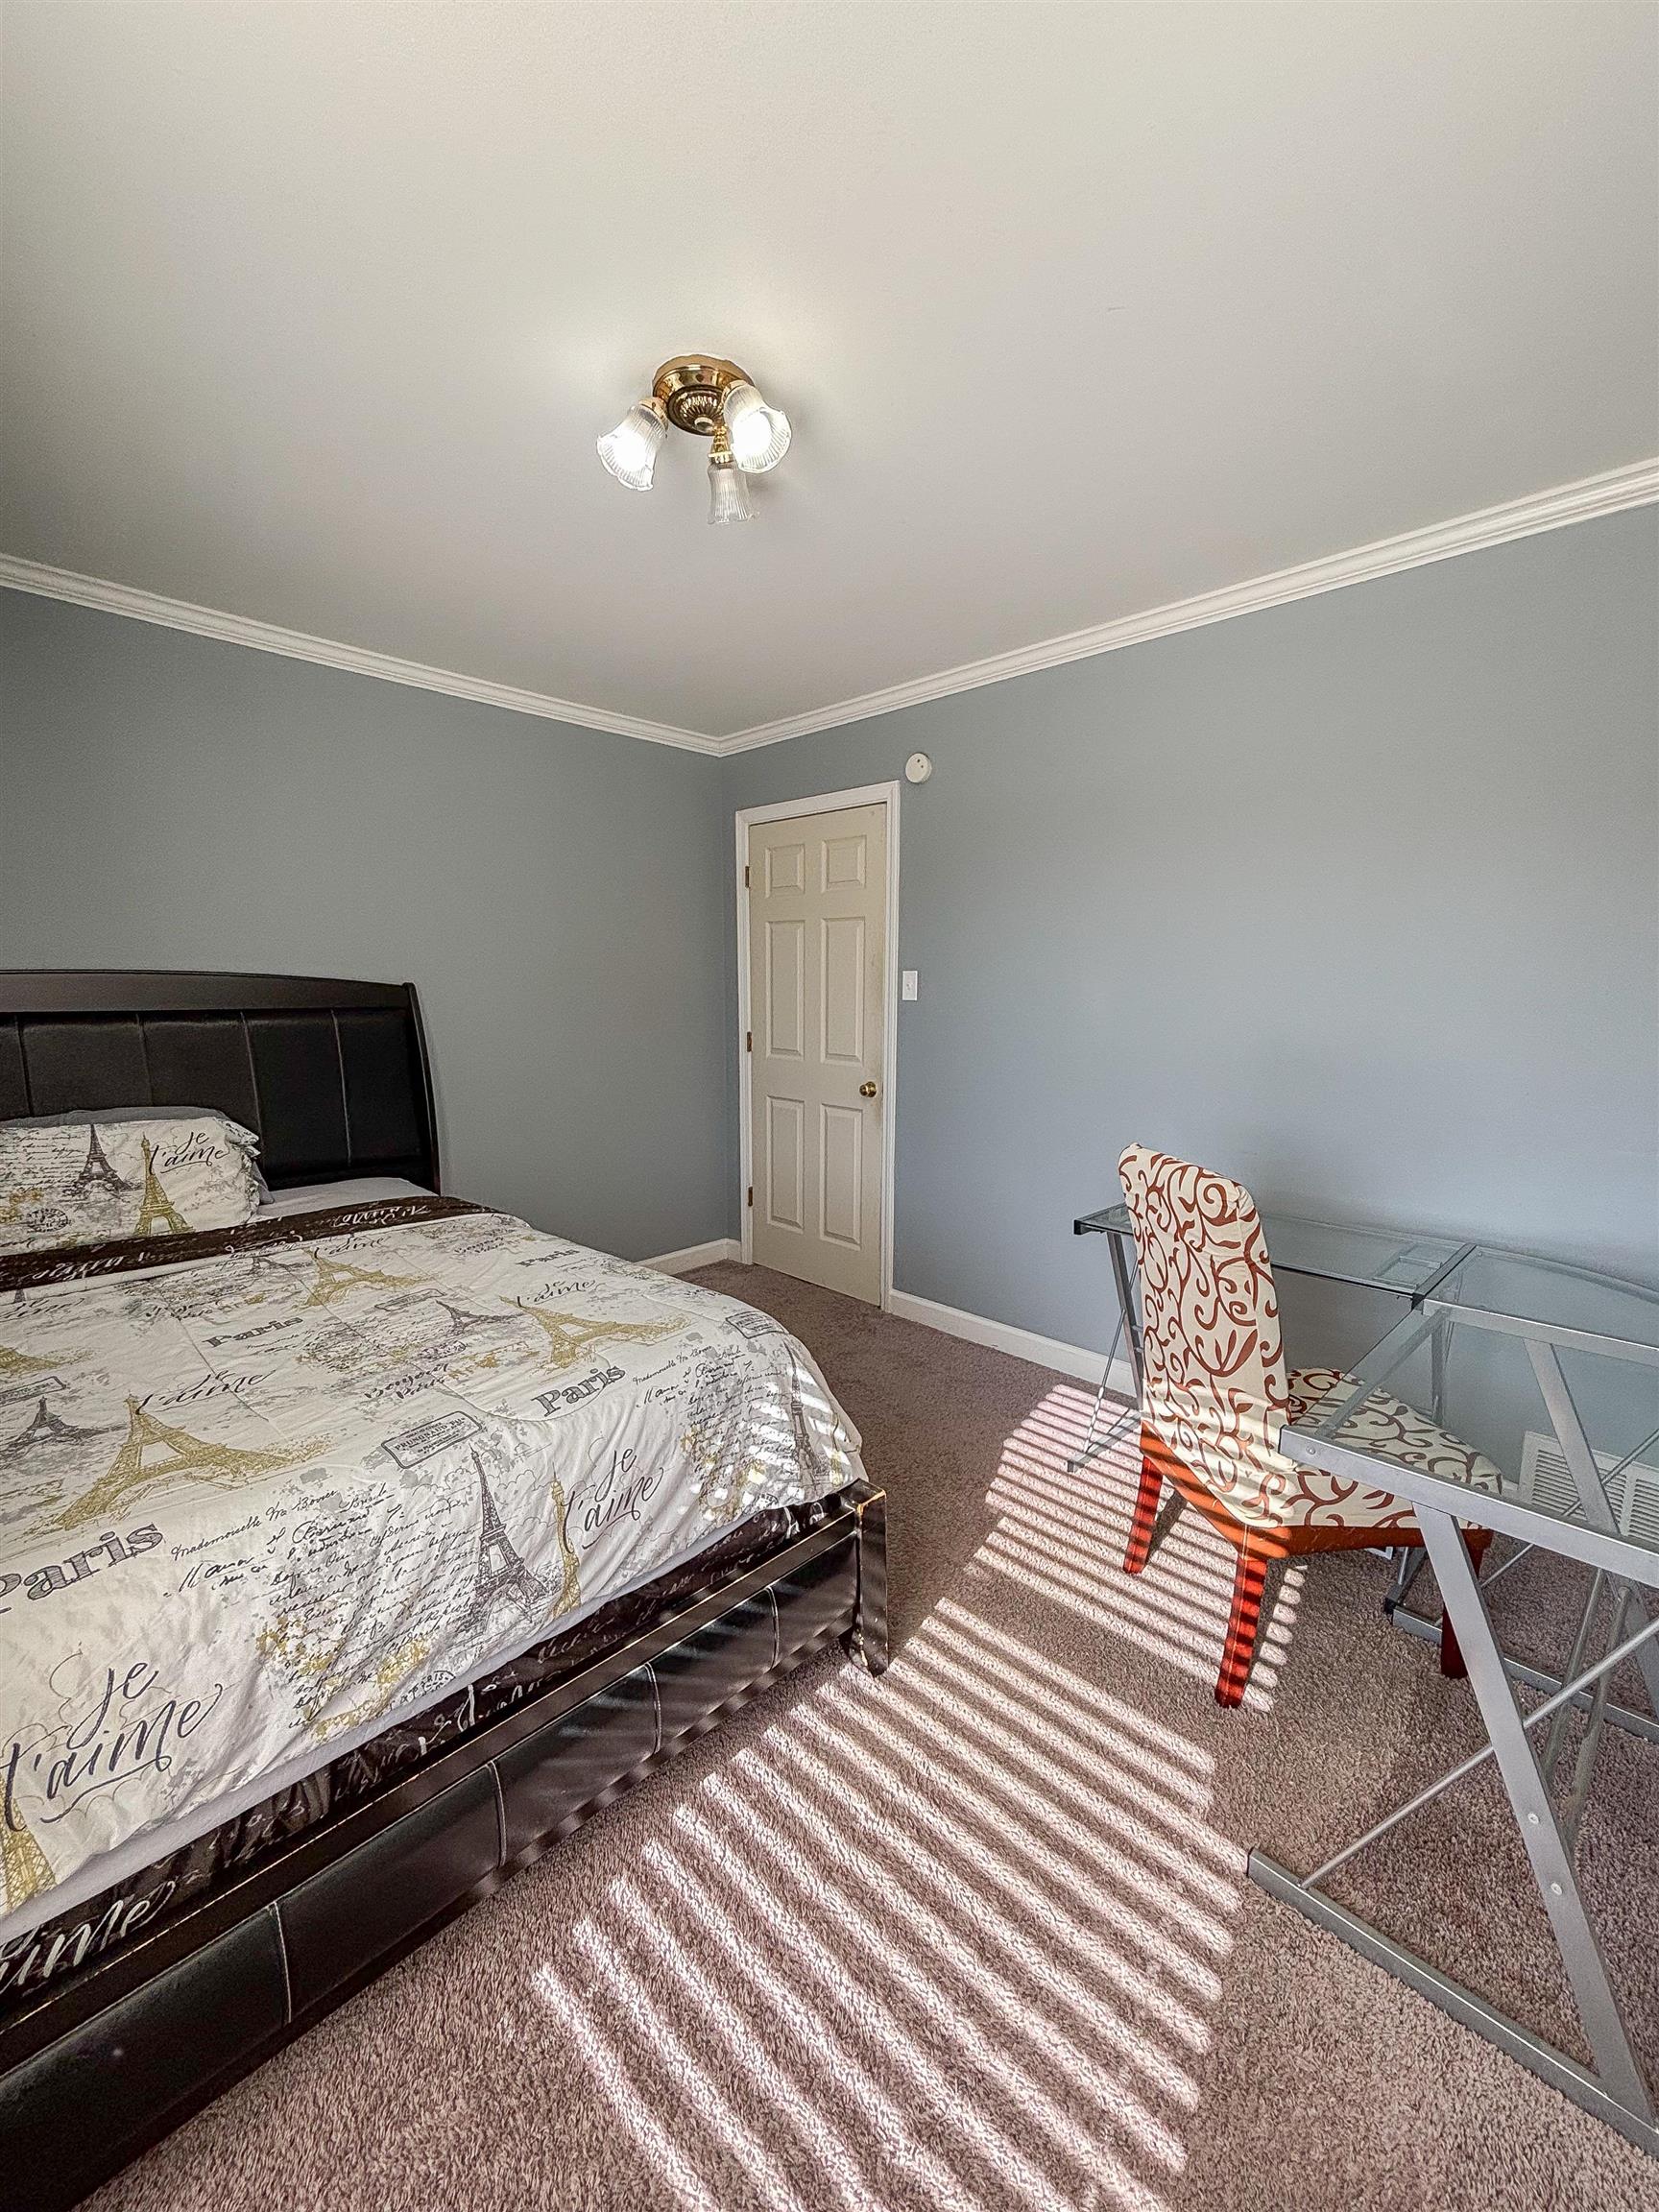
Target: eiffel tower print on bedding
<point x="262" y="1503"/>
<point x="79" y="1179"/>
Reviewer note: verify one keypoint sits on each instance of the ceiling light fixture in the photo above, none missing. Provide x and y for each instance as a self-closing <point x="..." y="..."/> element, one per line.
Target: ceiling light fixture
<point x="730" y="499"/>
<point x="706" y="398"/>
<point x="630" y="451"/>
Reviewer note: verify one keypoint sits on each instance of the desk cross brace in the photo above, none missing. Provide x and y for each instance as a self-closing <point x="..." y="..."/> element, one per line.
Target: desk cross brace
<point x="1615" y="2091"/>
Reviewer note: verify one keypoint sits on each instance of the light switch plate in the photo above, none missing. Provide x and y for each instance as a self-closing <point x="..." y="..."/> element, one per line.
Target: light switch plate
<point x="907" y="983"/>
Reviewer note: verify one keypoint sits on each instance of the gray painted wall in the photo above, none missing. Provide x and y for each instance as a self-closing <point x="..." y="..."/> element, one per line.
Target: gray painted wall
<point x="1354" y="898"/>
<point x="170" y="802"/>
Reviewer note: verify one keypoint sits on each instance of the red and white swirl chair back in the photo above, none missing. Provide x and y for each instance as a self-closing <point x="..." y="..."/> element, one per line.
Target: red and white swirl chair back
<point x="1214" y="1360"/>
<point x="1216" y="1394"/>
<point x="1215" y="1391"/>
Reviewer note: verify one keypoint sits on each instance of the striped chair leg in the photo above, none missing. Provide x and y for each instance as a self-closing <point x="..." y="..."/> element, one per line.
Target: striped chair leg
<point x="1248" y="1584"/>
<point x="1145" y="1516"/>
<point x="1452" y="1664"/>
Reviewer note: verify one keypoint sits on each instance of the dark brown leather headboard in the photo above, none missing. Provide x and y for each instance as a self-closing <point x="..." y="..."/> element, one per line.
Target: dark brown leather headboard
<point x="332" y="1075"/>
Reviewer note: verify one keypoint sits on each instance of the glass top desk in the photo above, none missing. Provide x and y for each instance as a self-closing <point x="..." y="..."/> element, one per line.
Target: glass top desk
<point x="1536" y="1351"/>
<point x="1370" y="1258"/>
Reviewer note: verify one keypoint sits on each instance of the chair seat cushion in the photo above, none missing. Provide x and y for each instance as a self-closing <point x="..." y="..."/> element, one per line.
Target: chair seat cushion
<point x="1396" y="1429"/>
<point x="1228" y="1453"/>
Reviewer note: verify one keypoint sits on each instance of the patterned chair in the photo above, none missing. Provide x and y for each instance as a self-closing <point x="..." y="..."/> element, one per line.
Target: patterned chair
<point x="1215" y="1393"/>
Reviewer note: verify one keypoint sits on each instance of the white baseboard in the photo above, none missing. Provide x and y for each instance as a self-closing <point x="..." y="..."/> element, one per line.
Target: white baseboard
<point x="696" y="1256"/>
<point x="1024" y="1343"/>
<point x="1076" y="1360"/>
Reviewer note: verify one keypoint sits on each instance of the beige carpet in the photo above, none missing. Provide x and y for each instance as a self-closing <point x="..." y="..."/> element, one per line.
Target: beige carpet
<point x="978" y="1936"/>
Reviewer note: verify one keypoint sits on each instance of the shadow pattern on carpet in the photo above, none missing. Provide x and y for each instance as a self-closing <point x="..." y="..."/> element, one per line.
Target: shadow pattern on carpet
<point x="979" y="1936"/>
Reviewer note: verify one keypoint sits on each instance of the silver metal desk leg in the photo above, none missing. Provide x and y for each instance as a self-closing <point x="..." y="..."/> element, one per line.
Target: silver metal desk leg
<point x="1535" y="1817"/>
<point x="1615" y="2092"/>
<point x="1587" y="1481"/>
<point x="1407" y="1561"/>
<point x="1437" y="1370"/>
<point x="1089" y="1447"/>
<point x="1126" y="1306"/>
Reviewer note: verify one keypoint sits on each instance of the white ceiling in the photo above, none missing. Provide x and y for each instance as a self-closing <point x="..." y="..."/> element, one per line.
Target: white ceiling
<point x="313" y="313"/>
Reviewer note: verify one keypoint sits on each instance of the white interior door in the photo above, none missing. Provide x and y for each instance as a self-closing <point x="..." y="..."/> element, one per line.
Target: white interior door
<point x="817" y="1006"/>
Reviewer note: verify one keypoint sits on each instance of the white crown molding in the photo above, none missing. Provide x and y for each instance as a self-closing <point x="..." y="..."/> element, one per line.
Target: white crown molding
<point x="1635" y="486"/>
<point x="1608" y="494"/>
<point x="329" y="653"/>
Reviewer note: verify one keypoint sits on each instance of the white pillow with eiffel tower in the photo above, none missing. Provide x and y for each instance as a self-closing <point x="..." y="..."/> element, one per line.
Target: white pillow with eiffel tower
<point x="134" y="1171"/>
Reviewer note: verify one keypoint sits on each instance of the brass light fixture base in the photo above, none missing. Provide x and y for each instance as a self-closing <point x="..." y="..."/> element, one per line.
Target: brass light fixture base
<point x="692" y="388"/>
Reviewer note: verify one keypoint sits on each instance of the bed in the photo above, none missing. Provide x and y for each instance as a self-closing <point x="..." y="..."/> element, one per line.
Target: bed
<point x="350" y="1556"/>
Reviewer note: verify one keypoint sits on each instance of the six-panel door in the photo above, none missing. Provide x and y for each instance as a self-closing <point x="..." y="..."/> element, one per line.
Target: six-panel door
<point x="817" y="976"/>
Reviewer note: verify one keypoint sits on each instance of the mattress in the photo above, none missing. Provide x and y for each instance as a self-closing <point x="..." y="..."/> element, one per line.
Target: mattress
<point x="264" y="1501"/>
<point x="325" y="1197"/>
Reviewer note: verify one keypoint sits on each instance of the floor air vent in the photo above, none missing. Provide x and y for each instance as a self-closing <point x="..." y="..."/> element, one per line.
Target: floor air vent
<point x="1633" y="1495"/>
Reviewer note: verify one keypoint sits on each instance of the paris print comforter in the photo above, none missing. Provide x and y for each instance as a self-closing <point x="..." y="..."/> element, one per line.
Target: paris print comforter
<point x="262" y="1502"/>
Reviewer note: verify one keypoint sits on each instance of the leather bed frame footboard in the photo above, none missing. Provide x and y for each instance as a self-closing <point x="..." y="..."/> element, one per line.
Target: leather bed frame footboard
<point x="333" y="1077"/>
<point x="119" y="2054"/>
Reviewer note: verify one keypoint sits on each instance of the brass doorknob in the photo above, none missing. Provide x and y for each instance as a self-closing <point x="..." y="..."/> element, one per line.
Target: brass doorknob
<point x="865" y="1089"/>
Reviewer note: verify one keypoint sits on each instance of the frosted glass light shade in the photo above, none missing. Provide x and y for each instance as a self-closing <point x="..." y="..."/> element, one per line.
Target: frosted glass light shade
<point x="759" y="434"/>
<point x="630" y="450"/>
<point x="730" y="499"/>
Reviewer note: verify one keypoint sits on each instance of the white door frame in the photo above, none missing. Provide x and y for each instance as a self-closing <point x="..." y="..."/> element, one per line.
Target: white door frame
<point x="785" y="810"/>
